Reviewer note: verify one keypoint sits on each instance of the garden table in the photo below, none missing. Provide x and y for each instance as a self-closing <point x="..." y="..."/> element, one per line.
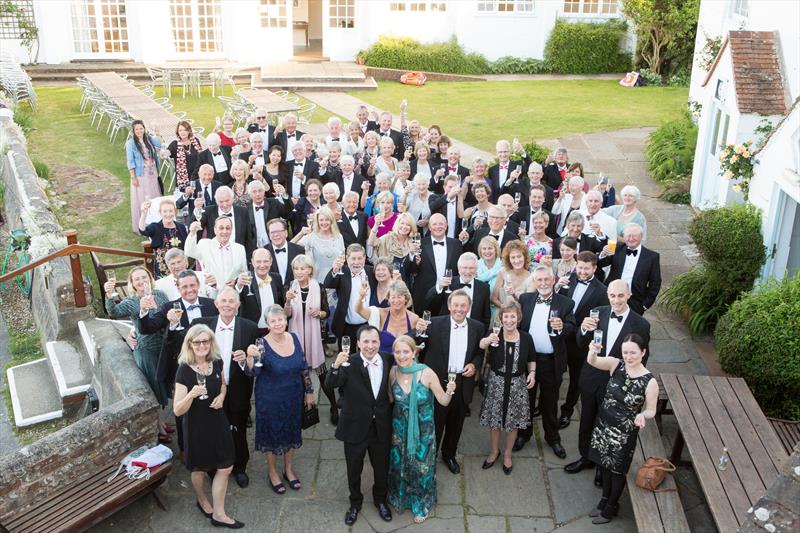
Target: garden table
<point x="262" y="98"/>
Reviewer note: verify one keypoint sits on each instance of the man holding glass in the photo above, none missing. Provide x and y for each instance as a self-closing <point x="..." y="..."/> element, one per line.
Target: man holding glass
<point x="637" y="266"/>
<point x="437" y="254"/>
<point x="347" y="276"/>
<point x="477" y="290"/>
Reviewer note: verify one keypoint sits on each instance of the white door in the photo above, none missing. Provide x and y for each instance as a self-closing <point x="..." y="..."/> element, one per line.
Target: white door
<point x="196" y="28"/>
<point x="717" y="133"/>
<point x="99" y="29"/>
<point x="783" y="254"/>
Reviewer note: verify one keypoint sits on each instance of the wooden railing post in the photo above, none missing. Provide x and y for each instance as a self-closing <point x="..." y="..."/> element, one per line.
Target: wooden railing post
<point x="75" y="265"/>
<point x="149" y="262"/>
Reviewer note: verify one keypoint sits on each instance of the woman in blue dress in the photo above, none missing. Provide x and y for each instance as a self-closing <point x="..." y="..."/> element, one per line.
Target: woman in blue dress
<point x="282" y="388"/>
<point x="392" y="321"/>
<point x="412" y="458"/>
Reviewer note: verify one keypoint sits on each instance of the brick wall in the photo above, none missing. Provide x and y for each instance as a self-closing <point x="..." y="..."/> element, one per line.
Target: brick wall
<point x="392" y="74"/>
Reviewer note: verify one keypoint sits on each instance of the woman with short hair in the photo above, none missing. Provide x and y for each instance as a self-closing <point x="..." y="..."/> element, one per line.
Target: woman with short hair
<point x="322" y="241"/>
<point x="383" y="221"/>
<point x="164" y="234"/>
<point x="392" y="321"/>
<point x="627" y="212"/>
<point x="240" y="172"/>
<point x="417" y="202"/>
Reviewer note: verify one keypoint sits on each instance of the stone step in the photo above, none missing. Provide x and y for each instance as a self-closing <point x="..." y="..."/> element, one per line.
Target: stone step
<point x="87" y="328"/>
<point x="34" y="393"/>
<point x="72" y="369"/>
<point x="310" y="85"/>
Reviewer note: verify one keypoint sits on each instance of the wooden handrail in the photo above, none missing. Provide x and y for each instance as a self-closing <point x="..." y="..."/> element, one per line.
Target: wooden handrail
<point x="73" y="250"/>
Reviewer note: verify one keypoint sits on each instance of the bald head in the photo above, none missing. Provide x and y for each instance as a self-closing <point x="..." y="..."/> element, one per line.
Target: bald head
<point x="618" y="294"/>
<point x="438" y="226"/>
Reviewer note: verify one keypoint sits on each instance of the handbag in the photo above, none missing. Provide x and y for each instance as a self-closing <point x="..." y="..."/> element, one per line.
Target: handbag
<point x="310" y="417"/>
<point x="652" y="473"/>
<point x="140" y="462"/>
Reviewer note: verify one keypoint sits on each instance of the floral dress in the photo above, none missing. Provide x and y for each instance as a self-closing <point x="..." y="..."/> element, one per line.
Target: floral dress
<point x="506" y="405"/>
<point x="241" y="197"/>
<point x="614" y="437"/>
<point x="162" y="240"/>
<point x="538" y="249"/>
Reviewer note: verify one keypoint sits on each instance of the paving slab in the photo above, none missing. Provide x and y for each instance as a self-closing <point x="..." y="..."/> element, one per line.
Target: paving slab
<point x="518" y="524"/>
<point x="486" y="524"/>
<point x="491" y="492"/>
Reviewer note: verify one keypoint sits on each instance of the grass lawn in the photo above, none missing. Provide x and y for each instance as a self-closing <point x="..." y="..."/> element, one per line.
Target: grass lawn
<point x="480" y="113"/>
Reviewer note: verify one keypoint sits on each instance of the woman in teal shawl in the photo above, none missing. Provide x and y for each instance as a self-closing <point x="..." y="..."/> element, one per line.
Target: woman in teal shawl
<point x="412" y="459"/>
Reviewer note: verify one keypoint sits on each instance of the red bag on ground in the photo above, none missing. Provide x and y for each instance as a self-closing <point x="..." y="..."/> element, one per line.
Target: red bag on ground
<point x="413" y="78"/>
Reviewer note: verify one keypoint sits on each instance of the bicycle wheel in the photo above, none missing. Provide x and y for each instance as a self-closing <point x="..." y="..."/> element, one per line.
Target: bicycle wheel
<point x="24" y="280"/>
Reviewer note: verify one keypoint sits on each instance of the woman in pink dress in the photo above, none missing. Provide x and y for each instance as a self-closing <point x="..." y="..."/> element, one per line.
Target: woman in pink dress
<point x="142" y="155"/>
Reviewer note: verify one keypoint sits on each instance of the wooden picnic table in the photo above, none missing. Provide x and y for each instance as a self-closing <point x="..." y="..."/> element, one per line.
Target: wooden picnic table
<point x="264" y="99"/>
<point x="715" y="413"/>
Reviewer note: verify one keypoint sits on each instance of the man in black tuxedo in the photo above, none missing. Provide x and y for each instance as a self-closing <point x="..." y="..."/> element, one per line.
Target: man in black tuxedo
<point x="437" y="254"/>
<point x="556" y="172"/>
<point x="362" y="117"/>
<point x="454" y="166"/>
<point x="637" y="266"/>
<point x="346" y="280"/>
<point x="365" y="425"/>
<point x="452" y="345"/>
<point x="224" y="208"/>
<point x="495" y="228"/>
<point x="535" y="175"/>
<point x="283" y="252"/>
<point x="348" y="180"/>
<point x="169" y="320"/>
<point x="509" y="206"/>
<point x="262" y="126"/>
<point x="257" y="155"/>
<point x="549" y="334"/>
<point x="477" y="290"/>
<point x="587" y="292"/>
<point x="233" y="335"/>
<point x="287" y="136"/>
<point x="615" y="321"/>
<point x="447" y="204"/>
<point x="353" y="223"/>
<point x="262" y="291"/>
<point x="300" y="171"/>
<point x="200" y="192"/>
<point x="586" y="243"/>
<point x="219" y="157"/>
<point x="385" y="130"/>
<point x="261" y="210"/>
<point x="536" y="204"/>
<point x="505" y="173"/>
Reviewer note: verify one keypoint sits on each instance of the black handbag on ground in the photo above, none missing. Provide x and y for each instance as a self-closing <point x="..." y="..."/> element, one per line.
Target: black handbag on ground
<point x="310" y="417"/>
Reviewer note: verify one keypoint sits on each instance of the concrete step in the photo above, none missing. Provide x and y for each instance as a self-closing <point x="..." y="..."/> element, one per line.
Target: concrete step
<point x="72" y="370"/>
<point x="86" y="329"/>
<point x="34" y="393"/>
<point x="310" y="85"/>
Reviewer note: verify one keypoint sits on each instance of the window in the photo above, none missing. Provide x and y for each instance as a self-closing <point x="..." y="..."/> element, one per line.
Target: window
<point x="741" y="8"/>
<point x="273" y="13"/>
<point x="12" y="23"/>
<point x="590" y="7"/>
<point x="505" y="6"/>
<point x="397" y="6"/>
<point x="342" y="13"/>
<point x="417" y="6"/>
<point x="195" y="25"/>
<point x="99" y="26"/>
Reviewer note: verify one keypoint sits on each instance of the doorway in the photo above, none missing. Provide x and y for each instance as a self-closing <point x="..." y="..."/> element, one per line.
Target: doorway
<point x="99" y="29"/>
<point x="307" y="28"/>
<point x="717" y="135"/>
<point x="785" y="252"/>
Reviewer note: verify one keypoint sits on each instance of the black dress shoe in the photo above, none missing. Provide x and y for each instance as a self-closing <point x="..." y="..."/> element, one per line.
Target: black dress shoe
<point x="577" y="466"/>
<point x="468" y="411"/>
<point x="384" y="511"/>
<point x="235" y="525"/>
<point x="334" y="416"/>
<point x="559" y="450"/>
<point x="488" y="464"/>
<point x="563" y="422"/>
<point x="241" y="479"/>
<point x="207" y="515"/>
<point x="519" y="443"/>
<point x="351" y="516"/>
<point x="598" y="477"/>
<point x="452" y="465"/>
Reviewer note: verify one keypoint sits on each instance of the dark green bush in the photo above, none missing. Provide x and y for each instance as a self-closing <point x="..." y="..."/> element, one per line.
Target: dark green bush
<point x="670" y="150"/>
<point x="537" y="152"/>
<point x="518" y="65"/>
<point x="730" y="241"/>
<point x="759" y="340"/>
<point x="587" y="48"/>
<point x="409" y="54"/>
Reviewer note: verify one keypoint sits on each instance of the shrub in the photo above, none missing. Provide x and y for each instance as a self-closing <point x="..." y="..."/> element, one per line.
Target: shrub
<point x="730" y="241"/>
<point x="537" y="152"/>
<point x="586" y="48"/>
<point x="409" y="54"/>
<point x="759" y="340"/>
<point x="680" y="78"/>
<point x="41" y="168"/>
<point x="24" y="119"/>
<point x="517" y="65"/>
<point x="650" y="77"/>
<point x="670" y="150"/>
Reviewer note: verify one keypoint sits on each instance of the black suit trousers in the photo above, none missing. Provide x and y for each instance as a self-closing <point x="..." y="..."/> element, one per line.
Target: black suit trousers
<point x="238" y="422"/>
<point x="575" y="359"/>
<point x="449" y="421"/>
<point x="378" y="451"/>
<point x="593" y="390"/>
<point x="549" y="380"/>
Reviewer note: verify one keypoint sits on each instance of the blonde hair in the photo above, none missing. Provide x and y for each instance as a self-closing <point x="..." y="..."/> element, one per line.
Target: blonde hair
<point x="304" y="260"/>
<point x="167" y="201"/>
<point x="386" y="141"/>
<point x="370" y="135"/>
<point x="516" y="246"/>
<point x="411" y="222"/>
<point x="149" y="279"/>
<point x="187" y="356"/>
<point x="408" y="341"/>
<point x="326" y="212"/>
<point x="240" y="163"/>
<point x="491" y="241"/>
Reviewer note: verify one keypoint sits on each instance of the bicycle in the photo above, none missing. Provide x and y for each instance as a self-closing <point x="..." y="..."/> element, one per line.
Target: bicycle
<point x="20" y="242"/>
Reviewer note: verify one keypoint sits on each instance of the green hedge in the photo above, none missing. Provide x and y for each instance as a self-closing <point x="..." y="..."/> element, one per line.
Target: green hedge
<point x="759" y="340"/>
<point x="409" y="54"/>
<point x="670" y="150"/>
<point x="587" y="48"/>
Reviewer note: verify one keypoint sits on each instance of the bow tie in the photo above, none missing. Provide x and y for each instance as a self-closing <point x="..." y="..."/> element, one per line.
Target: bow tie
<point x="503" y="167"/>
<point x="440" y="243"/>
<point x="351" y="176"/>
<point x="354" y="217"/>
<point x="467" y="285"/>
<point x="335" y="139"/>
<point x="262" y="284"/>
<point x="225" y="247"/>
<point x="452" y="168"/>
<point x="493" y="235"/>
<point x="215" y="154"/>
<point x="616" y="317"/>
<point x="540" y="300"/>
<point x="226" y="214"/>
<point x="262" y="130"/>
<point x="280" y="250"/>
<point x="223" y="328"/>
<point x="374" y="362"/>
<point x="290" y="135"/>
<point x="632" y="252"/>
<point x="192" y="307"/>
<point x="386" y="133"/>
<point x="259" y="207"/>
<point x="584" y="282"/>
<point x="459" y="326"/>
<point x="356" y="274"/>
<point x="301" y="165"/>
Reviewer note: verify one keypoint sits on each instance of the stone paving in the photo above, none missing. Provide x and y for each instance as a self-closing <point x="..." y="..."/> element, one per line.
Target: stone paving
<point x="539" y="496"/>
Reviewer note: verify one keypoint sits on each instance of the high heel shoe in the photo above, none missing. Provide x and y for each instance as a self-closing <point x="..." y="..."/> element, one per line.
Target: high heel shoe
<point x="507" y="469"/>
<point x="488" y="464"/>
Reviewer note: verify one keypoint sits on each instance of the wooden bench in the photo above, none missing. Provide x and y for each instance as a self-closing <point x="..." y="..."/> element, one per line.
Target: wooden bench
<point x="85" y="503"/>
<point x="662" y="405"/>
<point x="788" y="432"/>
<point x="660" y="512"/>
<point x="100" y="269"/>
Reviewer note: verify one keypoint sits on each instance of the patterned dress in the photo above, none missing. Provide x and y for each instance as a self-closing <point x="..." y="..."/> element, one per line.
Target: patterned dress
<point x="506" y="405"/>
<point x="412" y="479"/>
<point x="614" y="436"/>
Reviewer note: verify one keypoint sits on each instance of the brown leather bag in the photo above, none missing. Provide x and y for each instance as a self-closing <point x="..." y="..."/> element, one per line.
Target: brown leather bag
<point x="652" y="473"/>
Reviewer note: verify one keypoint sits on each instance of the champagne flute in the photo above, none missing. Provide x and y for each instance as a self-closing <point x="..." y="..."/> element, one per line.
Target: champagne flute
<point x="176" y="306"/>
<point x="496" y="326"/>
<point x="343" y="260"/>
<point x="448" y="273"/>
<point x="346" y="348"/>
<point x="507" y="283"/>
<point x="594" y="314"/>
<point x="517" y="197"/>
<point x="426" y="316"/>
<point x="465" y="224"/>
<point x="201" y="380"/>
<point x="598" y="336"/>
<point x="523" y="226"/>
<point x="261" y="349"/>
<point x="198" y="213"/>
<point x="147" y="289"/>
<point x="111" y="275"/>
<point x="452" y="373"/>
<point x="553" y="314"/>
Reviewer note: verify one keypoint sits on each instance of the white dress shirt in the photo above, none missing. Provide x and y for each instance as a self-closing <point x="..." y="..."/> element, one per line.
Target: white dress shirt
<point x="451" y="219"/>
<point x="297" y="183"/>
<point x="291" y="140"/>
<point x="282" y="259"/>
<point x="502" y="173"/>
<point x="630" y="266"/>
<point x="355" y="288"/>
<point x="347" y="183"/>
<point x="375" y="371"/>
<point x="540" y="320"/>
<point x="262" y="237"/>
<point x="439" y="257"/>
<point x="457" y="355"/>
<point x="265" y="293"/>
<point x="190" y="314"/>
<point x="608" y="224"/>
<point x="579" y="292"/>
<point x="614" y="327"/>
<point x="169" y="286"/>
<point x="224" y="337"/>
<point x="219" y="162"/>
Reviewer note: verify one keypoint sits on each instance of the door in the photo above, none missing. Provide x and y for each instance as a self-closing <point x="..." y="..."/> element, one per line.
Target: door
<point x="717" y="134"/>
<point x="196" y="28"/>
<point x="99" y="29"/>
<point x="783" y="254"/>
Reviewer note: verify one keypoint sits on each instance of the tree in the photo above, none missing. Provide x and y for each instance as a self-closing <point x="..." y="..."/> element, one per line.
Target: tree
<point x="665" y="30"/>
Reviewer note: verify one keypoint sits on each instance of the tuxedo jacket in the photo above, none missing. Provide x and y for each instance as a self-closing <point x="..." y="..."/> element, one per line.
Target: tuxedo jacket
<point x="482" y="232"/>
<point x="461" y="171"/>
<point x="437" y="350"/>
<point x="596" y="295"/>
<point x="564" y="306"/>
<point x="586" y="243"/>
<point x="425" y="273"/>
<point x="359" y="405"/>
<point x="497" y="186"/>
<point x="310" y="171"/>
<point x="438" y="204"/>
<point x="207" y="251"/>
<point x="282" y="140"/>
<point x="245" y="156"/>
<point x="182" y="200"/>
<point x="358" y="181"/>
<point x="347" y="230"/>
<point x="250" y="306"/>
<point x="206" y="158"/>
<point x="371" y="126"/>
<point x="293" y="250"/>
<point x="525" y="214"/>
<point x="646" y="282"/>
<point x="269" y="133"/>
<point x="552" y="176"/>
<point x="240" y="386"/>
<point x="342" y="285"/>
<point x="480" y="299"/>
<point x="241" y="222"/>
<point x="273" y="208"/>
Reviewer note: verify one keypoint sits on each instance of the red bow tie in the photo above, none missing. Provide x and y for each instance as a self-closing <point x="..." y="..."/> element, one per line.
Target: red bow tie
<point x="223" y="328"/>
<point x="356" y="274"/>
<point x="374" y="362"/>
<point x="503" y="167"/>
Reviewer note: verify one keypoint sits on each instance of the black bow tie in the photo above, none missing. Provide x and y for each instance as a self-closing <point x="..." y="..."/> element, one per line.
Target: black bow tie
<point x="632" y="252"/>
<point x="301" y="165"/>
<point x="226" y="215"/>
<point x="262" y="130"/>
<point x="280" y="250"/>
<point x="440" y="243"/>
<point x="335" y="139"/>
<point x="540" y="300"/>
<point x="215" y="154"/>
<point x="493" y="235"/>
<point x="290" y="134"/>
<point x="467" y="285"/>
<point x="584" y="282"/>
<point x="259" y="207"/>
<point x="354" y="217"/>
<point x="616" y="317"/>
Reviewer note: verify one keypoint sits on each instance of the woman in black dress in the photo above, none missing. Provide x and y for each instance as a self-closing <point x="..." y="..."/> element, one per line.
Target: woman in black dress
<point x="184" y="151"/>
<point x="614" y="437"/>
<point x="512" y="371"/>
<point x="199" y="394"/>
<point x="164" y="235"/>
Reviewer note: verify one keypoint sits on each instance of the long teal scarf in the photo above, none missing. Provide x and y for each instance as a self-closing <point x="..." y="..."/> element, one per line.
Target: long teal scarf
<point x="412" y="437"/>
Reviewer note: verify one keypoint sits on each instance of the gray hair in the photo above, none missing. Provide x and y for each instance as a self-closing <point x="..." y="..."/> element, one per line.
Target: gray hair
<point x="576" y="180"/>
<point x="172" y="253"/>
<point x="334" y="120"/>
<point x="561" y="150"/>
<point x="224" y="189"/>
<point x="536" y="167"/>
<point x="253" y="185"/>
<point x="213" y="138"/>
<point x="633" y="226"/>
<point x="256" y="136"/>
<point x="573" y="217"/>
<point x="466" y="257"/>
<point x="348" y="194"/>
<point x="594" y="192"/>
<point x="347" y="158"/>
<point x="502" y="142"/>
<point x="304" y="260"/>
<point x="274" y="310"/>
<point x="543" y="268"/>
<point x="631" y="189"/>
<point x="226" y="290"/>
<point x="331" y="187"/>
<point x="421" y="178"/>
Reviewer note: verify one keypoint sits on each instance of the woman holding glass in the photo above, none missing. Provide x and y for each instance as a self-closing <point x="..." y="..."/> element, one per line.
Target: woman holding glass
<point x="412" y="459"/>
<point x="396" y="244"/>
<point x="564" y="266"/>
<point x="164" y="234"/>
<point x="275" y="169"/>
<point x="383" y="183"/>
<point x="142" y="151"/>
<point x="417" y="202"/>
<point x="323" y="242"/>
<point x="627" y="212"/>
<point x="282" y="388"/>
<point x="385" y="274"/>
<point x="515" y="278"/>
<point x="422" y="165"/>
<point x="539" y="244"/>
<point x="142" y="298"/>
<point x="477" y="214"/>
<point x="512" y="371"/>
<point x="307" y="205"/>
<point x="570" y="200"/>
<point x="370" y="154"/>
<point x="184" y="152"/>
<point x="393" y="321"/>
<point x="330" y="195"/>
<point x="478" y="176"/>
<point x="240" y="172"/>
<point x="385" y="163"/>
<point x="199" y="395"/>
<point x="383" y="221"/>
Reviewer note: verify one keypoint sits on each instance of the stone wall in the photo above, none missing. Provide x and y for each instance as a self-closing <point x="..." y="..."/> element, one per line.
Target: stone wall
<point x="126" y="420"/>
<point x="27" y="207"/>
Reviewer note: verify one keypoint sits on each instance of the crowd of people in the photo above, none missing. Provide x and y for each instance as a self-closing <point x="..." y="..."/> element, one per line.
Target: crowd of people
<point x="405" y="281"/>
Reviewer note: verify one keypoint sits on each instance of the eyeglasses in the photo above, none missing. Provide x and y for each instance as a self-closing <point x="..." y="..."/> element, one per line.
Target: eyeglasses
<point x="259" y="118"/>
<point x="201" y="342"/>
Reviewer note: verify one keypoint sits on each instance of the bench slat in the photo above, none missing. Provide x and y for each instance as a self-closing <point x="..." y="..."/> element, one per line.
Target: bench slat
<point x="773" y="446"/>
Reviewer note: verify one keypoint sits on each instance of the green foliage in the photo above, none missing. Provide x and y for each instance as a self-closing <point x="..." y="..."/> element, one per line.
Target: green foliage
<point x="586" y="48"/>
<point x="409" y="54"/>
<point x="537" y="152"/>
<point x="650" y="77"/>
<point x="730" y="241"/>
<point x="680" y="78"/>
<point x="759" y="340"/>
<point x="24" y="119"/>
<point x="24" y="346"/>
<point x="709" y="52"/>
<point x="670" y="150"/>
<point x="517" y="65"/>
<point x="42" y="169"/>
<point x="14" y="14"/>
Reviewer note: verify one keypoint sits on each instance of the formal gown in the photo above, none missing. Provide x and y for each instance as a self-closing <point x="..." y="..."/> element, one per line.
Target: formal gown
<point x="279" y="389"/>
<point x="506" y="405"/>
<point x="614" y="437"/>
<point x="208" y="443"/>
<point x="149" y="187"/>
<point x="412" y="479"/>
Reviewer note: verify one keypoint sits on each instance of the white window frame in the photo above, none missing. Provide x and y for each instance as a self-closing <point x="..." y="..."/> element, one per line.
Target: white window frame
<point x="523" y="8"/>
<point x="93" y="31"/>
<point x="740" y="9"/>
<point x="276" y="10"/>
<point x="418" y="6"/>
<point x="601" y="6"/>
<point x="194" y="43"/>
<point x="348" y="7"/>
